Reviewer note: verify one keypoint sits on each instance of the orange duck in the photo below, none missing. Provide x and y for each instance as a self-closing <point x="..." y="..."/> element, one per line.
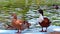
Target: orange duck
<point x="45" y="22"/>
<point x="19" y="24"/>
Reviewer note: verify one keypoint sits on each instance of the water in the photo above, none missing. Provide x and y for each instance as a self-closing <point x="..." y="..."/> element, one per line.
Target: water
<point x="32" y="16"/>
<point x="32" y="31"/>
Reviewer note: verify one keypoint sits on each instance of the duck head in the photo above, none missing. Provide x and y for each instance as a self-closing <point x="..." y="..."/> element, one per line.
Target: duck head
<point x="40" y="11"/>
<point x="25" y="21"/>
<point x="14" y="16"/>
<point x="55" y="6"/>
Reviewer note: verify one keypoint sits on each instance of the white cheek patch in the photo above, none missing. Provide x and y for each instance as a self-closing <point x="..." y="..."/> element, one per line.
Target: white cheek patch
<point x="40" y="19"/>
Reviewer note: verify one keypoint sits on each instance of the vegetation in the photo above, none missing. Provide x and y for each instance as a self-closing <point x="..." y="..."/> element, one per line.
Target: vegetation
<point x="21" y="7"/>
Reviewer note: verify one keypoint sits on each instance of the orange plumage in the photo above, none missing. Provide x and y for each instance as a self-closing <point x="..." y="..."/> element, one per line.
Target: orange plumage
<point x="19" y="24"/>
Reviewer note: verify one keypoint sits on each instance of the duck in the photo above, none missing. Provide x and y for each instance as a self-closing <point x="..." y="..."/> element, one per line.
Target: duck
<point x="20" y="25"/>
<point x="27" y="24"/>
<point x="55" y="6"/>
<point x="43" y="21"/>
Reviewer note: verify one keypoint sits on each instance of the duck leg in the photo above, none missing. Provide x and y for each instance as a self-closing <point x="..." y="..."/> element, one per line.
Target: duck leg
<point x="46" y="29"/>
<point x="42" y="30"/>
<point x="18" y="31"/>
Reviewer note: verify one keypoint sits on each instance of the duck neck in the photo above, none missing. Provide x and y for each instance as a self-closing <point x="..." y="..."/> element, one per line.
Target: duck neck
<point x="41" y="14"/>
<point x="41" y="18"/>
<point x="15" y="17"/>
